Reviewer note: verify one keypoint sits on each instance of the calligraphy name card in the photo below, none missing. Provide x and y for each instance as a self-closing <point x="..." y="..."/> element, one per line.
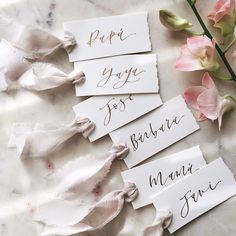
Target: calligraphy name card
<point x="111" y="112"/>
<point x="153" y="177"/>
<point x="194" y="195"/>
<point x="109" y="36"/>
<point x="156" y="130"/>
<point x="119" y="75"/>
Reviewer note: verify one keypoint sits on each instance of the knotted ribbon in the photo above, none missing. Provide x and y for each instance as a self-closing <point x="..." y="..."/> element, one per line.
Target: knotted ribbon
<point x="73" y="218"/>
<point x="34" y="43"/>
<point x="161" y="222"/>
<point x="15" y="72"/>
<point x="82" y="175"/>
<point x="40" y="140"/>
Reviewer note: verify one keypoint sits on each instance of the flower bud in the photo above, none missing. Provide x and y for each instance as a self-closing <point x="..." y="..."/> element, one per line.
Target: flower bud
<point x="172" y="21"/>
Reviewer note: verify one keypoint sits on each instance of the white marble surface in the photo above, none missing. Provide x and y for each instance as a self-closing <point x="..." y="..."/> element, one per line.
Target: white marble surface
<point x="23" y="184"/>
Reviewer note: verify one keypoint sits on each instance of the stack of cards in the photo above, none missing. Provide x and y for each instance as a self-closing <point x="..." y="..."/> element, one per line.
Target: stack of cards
<point x="126" y="104"/>
<point x="125" y="87"/>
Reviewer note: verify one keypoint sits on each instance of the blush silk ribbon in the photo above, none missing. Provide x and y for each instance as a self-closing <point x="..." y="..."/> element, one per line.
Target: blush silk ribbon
<point x="37" y="140"/>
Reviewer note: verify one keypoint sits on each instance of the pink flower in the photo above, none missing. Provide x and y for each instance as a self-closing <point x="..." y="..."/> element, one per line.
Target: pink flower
<point x="198" y="54"/>
<point x="207" y="101"/>
<point x="223" y="16"/>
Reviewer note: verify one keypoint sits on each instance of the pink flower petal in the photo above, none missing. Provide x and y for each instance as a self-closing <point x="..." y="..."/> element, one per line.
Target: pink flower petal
<point x="197" y="45"/>
<point x="191" y="94"/>
<point x="209" y="104"/>
<point x="208" y="82"/>
<point x="201" y="116"/>
<point x="187" y="61"/>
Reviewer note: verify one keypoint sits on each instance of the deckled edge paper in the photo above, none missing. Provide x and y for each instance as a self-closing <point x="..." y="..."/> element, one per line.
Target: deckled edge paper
<point x="153" y="177"/>
<point x="119" y="75"/>
<point x="156" y="131"/>
<point x="111" y="112"/>
<point x="196" y="194"/>
<point x="109" y="36"/>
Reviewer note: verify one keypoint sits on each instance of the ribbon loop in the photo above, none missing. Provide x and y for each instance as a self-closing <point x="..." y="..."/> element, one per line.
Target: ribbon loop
<point x="84" y="126"/>
<point x="69" y="42"/>
<point x="130" y="192"/>
<point x="77" y="77"/>
<point x="120" y="151"/>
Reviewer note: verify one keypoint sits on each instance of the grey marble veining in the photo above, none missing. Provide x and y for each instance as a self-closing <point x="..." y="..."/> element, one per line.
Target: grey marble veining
<point x="23" y="184"/>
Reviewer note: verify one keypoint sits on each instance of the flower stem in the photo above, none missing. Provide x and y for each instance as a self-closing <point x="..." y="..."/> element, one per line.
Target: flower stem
<point x="208" y="34"/>
<point x="230" y="44"/>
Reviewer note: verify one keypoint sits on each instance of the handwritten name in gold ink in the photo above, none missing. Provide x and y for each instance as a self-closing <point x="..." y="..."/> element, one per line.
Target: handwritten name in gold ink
<point x="193" y="197"/>
<point x="97" y="36"/>
<point x="130" y="75"/>
<point x="137" y="139"/>
<point x="162" y="180"/>
<point x="112" y="105"/>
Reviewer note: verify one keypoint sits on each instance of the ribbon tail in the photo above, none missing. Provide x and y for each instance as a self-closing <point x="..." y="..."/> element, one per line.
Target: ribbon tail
<point x="161" y="222"/>
<point x="96" y="217"/>
<point x="40" y="140"/>
<point x="44" y="76"/>
<point x="81" y="177"/>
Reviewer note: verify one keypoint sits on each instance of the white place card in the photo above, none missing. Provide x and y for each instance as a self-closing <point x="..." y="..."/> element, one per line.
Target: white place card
<point x="156" y="130"/>
<point x="111" y="112"/>
<point x="119" y="75"/>
<point x="153" y="177"/>
<point x="109" y="36"/>
<point x="194" y="195"/>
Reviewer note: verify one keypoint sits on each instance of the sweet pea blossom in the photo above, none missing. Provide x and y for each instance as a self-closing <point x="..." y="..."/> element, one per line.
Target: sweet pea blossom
<point x="207" y="101"/>
<point x="223" y="16"/>
<point x="198" y="54"/>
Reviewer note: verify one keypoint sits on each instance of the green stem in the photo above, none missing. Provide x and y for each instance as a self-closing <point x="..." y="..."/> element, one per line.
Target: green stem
<point x="193" y="32"/>
<point x="208" y="34"/>
<point x="230" y="44"/>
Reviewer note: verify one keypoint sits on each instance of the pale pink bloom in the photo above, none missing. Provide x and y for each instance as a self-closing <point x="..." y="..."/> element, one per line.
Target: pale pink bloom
<point x="223" y="16"/>
<point x="207" y="101"/>
<point x="198" y="54"/>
